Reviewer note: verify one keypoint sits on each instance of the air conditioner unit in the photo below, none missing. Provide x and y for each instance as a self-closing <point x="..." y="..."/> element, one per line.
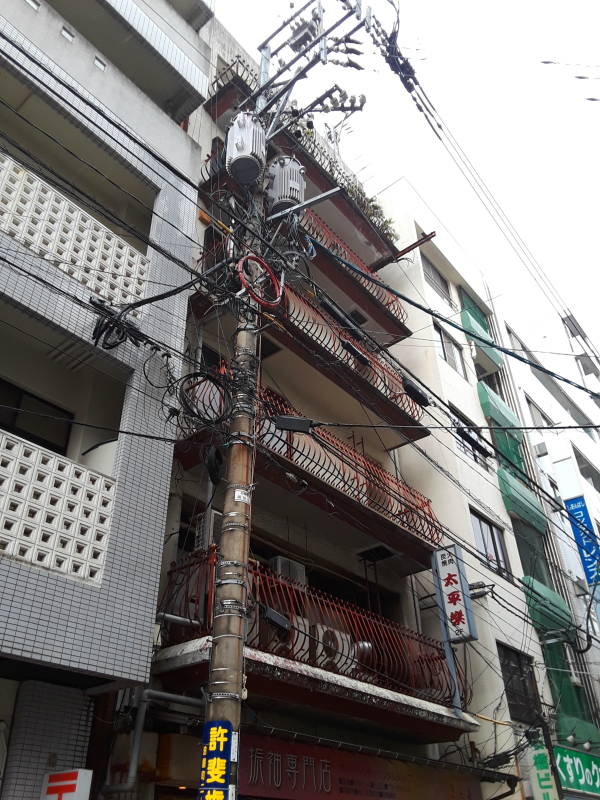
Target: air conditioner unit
<point x="333" y="650"/>
<point x="291" y="570"/>
<point x="541" y="449"/>
<point x="208" y="528"/>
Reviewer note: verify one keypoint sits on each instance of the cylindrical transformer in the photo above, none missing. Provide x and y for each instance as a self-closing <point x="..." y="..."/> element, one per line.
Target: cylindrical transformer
<point x="246" y="148"/>
<point x="286" y="183"/>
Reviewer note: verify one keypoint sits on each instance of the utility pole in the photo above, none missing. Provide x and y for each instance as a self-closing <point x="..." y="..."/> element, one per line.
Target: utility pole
<point x="226" y="680"/>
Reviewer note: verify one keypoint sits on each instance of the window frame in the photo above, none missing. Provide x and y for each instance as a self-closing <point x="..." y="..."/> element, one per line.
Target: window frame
<point x="499" y="561"/>
<point x="535" y="411"/>
<point x="463" y="445"/>
<point x="446" y="345"/>
<point x="588" y="466"/>
<point x="520" y="686"/>
<point x="435" y="279"/>
<point x="53" y="410"/>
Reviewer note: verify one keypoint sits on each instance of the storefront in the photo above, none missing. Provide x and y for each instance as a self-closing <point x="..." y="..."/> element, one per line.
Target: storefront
<point x="274" y="768"/>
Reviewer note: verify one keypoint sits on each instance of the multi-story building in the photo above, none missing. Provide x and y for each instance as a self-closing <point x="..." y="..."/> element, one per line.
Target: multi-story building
<point x="94" y="100"/>
<point x="113" y="190"/>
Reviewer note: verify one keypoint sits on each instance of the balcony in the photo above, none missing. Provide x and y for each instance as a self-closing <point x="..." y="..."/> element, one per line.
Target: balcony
<point x="321" y="632"/>
<point x="54" y="513"/>
<point x="340" y="477"/>
<point x="487" y="358"/>
<point x="380" y="303"/>
<point x="521" y="501"/>
<point x="337" y="477"/>
<point x="50" y="225"/>
<point x="143" y="52"/>
<point x="366" y="375"/>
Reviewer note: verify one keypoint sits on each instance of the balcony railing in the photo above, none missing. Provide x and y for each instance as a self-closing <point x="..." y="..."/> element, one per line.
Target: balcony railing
<point x="54" y="513"/>
<point x="345" y="470"/>
<point x="324" y="631"/>
<point x="319" y="230"/>
<point x="333" y="463"/>
<point x="49" y="224"/>
<point x="369" y="373"/>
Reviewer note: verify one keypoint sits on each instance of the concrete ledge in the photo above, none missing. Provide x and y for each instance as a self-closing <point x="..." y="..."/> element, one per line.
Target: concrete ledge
<point x="197" y="652"/>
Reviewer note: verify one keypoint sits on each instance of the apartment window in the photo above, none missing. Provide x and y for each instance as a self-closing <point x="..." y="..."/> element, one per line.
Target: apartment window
<point x="99" y="63"/>
<point x="464" y="444"/>
<point x="537" y="415"/>
<point x="520" y="685"/>
<point x="493" y="381"/>
<point x="588" y="472"/>
<point x="450" y="351"/>
<point x="436" y="280"/>
<point x="51" y="431"/>
<point x="68" y="34"/>
<point x="490" y="542"/>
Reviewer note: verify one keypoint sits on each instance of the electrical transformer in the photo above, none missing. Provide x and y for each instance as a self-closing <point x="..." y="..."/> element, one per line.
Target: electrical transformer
<point x="246" y="148"/>
<point x="286" y="183"/>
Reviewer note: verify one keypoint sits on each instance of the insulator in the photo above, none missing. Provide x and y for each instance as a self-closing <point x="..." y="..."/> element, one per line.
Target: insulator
<point x="246" y="148"/>
<point x="286" y="185"/>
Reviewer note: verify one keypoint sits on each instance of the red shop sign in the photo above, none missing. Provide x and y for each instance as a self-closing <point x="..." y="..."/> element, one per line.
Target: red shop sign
<point x="276" y="768"/>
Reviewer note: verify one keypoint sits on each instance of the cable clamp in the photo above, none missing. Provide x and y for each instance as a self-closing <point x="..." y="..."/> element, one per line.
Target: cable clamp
<point x="224" y="696"/>
<point x="230" y="582"/>
<point x="232" y="526"/>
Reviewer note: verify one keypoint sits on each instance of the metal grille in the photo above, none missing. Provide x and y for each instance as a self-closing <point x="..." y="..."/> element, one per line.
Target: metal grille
<point x="318" y="629"/>
<point x="337" y="464"/>
<point x="317" y="228"/>
<point x="325" y="332"/>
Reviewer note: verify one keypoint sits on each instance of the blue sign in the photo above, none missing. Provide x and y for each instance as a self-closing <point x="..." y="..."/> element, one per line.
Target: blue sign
<point x="217" y="755"/>
<point x="587" y="543"/>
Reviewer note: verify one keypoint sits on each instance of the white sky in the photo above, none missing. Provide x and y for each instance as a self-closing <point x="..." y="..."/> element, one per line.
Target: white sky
<point x="527" y="127"/>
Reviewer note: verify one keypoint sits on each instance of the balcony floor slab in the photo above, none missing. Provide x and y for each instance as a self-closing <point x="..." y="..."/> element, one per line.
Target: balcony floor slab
<point x="283" y="679"/>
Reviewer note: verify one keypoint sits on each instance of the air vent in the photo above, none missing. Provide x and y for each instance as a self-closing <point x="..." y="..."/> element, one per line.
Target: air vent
<point x="374" y="554"/>
<point x="286" y="568"/>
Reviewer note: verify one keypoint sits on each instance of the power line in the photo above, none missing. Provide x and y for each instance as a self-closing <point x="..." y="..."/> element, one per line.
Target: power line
<point x="436" y="315"/>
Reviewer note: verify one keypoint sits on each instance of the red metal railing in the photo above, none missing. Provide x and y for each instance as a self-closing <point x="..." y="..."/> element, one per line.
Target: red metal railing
<point x="331" y="461"/>
<point x="330" y="336"/>
<point x="340" y="466"/>
<point x="324" y="631"/>
<point x="318" y="229"/>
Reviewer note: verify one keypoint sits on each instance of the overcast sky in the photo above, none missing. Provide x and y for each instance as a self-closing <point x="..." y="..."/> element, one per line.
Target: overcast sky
<point x="527" y="127"/>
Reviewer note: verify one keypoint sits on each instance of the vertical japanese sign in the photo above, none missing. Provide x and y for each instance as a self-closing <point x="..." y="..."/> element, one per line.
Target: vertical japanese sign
<point x="578" y="771"/>
<point x="218" y="753"/>
<point x="543" y="785"/>
<point x="73" y="784"/>
<point x="453" y="595"/>
<point x="587" y="543"/>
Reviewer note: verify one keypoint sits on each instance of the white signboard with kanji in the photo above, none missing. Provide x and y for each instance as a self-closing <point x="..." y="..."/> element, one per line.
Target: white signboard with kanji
<point x="453" y="595"/>
<point x="73" y="784"/>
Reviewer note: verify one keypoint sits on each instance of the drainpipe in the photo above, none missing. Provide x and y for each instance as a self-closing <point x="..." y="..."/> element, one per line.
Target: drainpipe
<point x="145" y="697"/>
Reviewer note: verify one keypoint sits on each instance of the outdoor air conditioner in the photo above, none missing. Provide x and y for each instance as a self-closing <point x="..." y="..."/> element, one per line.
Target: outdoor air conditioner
<point x="291" y="570"/>
<point x="541" y="449"/>
<point x="333" y="649"/>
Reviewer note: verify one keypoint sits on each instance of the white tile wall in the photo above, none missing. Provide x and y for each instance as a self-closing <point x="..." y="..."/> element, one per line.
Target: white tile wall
<point x="50" y="224"/>
<point x="54" y="513"/>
